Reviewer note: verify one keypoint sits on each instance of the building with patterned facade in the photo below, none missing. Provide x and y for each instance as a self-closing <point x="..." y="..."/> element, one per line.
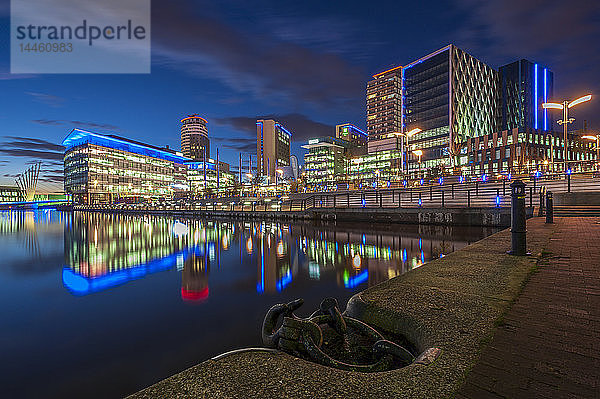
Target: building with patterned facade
<point x="272" y="147"/>
<point x="454" y="98"/>
<point x="195" y="143"/>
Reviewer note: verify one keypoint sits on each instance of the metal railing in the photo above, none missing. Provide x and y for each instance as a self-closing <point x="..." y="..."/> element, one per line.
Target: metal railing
<point x="443" y="194"/>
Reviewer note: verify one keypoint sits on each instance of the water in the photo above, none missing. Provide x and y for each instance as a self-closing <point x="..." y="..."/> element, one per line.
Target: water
<point x="96" y="305"/>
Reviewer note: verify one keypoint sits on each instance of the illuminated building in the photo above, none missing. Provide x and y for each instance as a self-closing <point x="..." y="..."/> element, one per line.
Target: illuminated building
<point x="459" y="103"/>
<point x="194" y="138"/>
<point x="214" y="180"/>
<point x="376" y="167"/>
<point x="521" y="150"/>
<point x="272" y="147"/>
<point x="384" y="104"/>
<point x="448" y="94"/>
<point x="325" y="164"/>
<point x="352" y="134"/>
<point x="108" y="168"/>
<point x="525" y="86"/>
<point x="10" y="194"/>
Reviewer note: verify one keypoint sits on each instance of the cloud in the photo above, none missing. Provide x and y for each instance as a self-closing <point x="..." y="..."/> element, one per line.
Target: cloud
<point x="30" y="143"/>
<point x="562" y="35"/>
<point x="257" y="64"/>
<point x="301" y="126"/>
<point x="558" y="34"/>
<point x="237" y="144"/>
<point x="79" y="124"/>
<point x="48" y="99"/>
<point x="29" y="147"/>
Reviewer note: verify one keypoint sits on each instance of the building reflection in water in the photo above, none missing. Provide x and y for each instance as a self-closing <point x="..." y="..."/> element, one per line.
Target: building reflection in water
<point x="26" y="224"/>
<point x="104" y="251"/>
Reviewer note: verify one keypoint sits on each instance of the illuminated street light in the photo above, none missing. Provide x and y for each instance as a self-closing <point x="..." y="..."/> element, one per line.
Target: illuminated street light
<point x="280" y="173"/>
<point x="406" y="135"/>
<point x="418" y="153"/>
<point x="565" y="106"/>
<point x="597" y="138"/>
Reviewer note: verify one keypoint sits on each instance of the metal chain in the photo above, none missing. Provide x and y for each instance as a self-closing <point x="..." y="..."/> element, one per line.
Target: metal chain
<point x="304" y="337"/>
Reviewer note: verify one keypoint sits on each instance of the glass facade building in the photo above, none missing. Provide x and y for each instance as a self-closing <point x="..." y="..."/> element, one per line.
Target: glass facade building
<point x="325" y="164"/>
<point x="453" y="97"/>
<point x="211" y="181"/>
<point x="525" y="87"/>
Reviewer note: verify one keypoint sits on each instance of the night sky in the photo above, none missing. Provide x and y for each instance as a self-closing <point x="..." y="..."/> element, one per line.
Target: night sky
<point x="305" y="63"/>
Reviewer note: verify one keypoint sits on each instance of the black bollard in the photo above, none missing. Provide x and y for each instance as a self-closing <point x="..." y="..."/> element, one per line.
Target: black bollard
<point x="568" y="182"/>
<point x="549" y="207"/>
<point x="518" y="219"/>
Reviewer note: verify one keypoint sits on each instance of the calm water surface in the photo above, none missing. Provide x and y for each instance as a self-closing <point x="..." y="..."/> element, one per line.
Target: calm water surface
<point x="96" y="305"/>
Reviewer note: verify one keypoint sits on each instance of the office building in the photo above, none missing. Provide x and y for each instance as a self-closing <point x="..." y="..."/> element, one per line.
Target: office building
<point x="384" y="104"/>
<point x="109" y="168"/>
<point x="10" y="194"/>
<point x="352" y="134"/>
<point x="522" y="150"/>
<point x="454" y="98"/>
<point x="525" y="86"/>
<point x="325" y="164"/>
<point x="210" y="182"/>
<point x="195" y="143"/>
<point x="272" y="147"/>
<point x="373" y="168"/>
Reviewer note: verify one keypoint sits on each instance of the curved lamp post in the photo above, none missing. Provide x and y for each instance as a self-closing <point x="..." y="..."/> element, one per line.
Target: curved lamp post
<point x="406" y="135"/>
<point x="418" y="153"/>
<point x="565" y="106"/>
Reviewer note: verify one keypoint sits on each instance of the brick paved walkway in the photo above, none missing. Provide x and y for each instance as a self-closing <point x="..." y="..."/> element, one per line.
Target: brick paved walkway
<point x="549" y="346"/>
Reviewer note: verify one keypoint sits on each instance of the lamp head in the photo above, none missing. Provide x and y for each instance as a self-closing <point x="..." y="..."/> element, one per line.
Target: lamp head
<point x="580" y="100"/>
<point x="414" y="131"/>
<point x="552" y="105"/>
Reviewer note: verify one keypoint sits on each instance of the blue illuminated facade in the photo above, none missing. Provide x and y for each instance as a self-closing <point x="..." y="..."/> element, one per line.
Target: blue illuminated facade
<point x="107" y="168"/>
<point x="525" y="86"/>
<point x="79" y="137"/>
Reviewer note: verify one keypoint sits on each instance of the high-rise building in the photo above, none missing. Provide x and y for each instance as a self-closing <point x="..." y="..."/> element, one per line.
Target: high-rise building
<point x="448" y="94"/>
<point x="272" y="146"/>
<point x="194" y="138"/>
<point x="525" y="86"/>
<point x="454" y="97"/>
<point x="384" y="104"/>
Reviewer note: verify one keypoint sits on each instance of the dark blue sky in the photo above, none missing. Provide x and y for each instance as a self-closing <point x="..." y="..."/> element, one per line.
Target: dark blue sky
<point x="304" y="62"/>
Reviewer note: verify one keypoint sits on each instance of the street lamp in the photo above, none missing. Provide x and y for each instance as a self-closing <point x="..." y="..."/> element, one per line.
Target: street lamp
<point x="418" y="153"/>
<point x="565" y="106"/>
<point x="406" y="135"/>
<point x="597" y="138"/>
<point x="280" y="173"/>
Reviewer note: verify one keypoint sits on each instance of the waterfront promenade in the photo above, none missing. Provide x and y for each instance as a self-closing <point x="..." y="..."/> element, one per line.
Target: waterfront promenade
<point x="462" y="304"/>
<point x="548" y="345"/>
